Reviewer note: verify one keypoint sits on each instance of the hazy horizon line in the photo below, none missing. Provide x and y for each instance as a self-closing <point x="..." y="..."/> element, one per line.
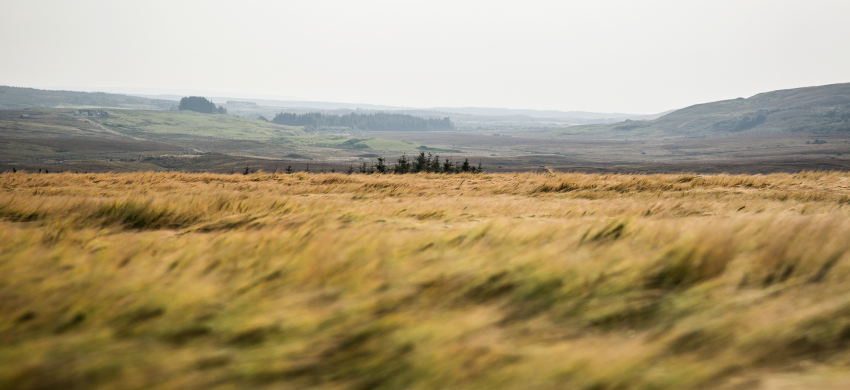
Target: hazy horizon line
<point x="149" y="92"/>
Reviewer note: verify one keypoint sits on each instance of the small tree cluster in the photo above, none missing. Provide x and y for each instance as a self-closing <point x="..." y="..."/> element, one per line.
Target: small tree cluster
<point x="422" y="163"/>
<point x="200" y="104"/>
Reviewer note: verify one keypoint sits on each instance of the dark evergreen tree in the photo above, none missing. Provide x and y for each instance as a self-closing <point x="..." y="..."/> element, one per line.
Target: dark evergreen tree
<point x="465" y="167"/>
<point x="448" y="167"/>
<point x="435" y="164"/>
<point x="421" y="163"/>
<point x="403" y="165"/>
<point x="381" y="167"/>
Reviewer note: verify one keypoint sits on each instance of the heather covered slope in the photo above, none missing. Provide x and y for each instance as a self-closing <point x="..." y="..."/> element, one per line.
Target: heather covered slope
<point x="813" y="110"/>
<point x="327" y="281"/>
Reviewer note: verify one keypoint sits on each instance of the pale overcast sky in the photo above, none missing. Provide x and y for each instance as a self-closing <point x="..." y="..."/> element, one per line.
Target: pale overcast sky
<point x="608" y="56"/>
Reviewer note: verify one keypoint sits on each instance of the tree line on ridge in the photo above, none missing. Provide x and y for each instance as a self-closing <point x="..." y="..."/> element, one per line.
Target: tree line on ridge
<point x="380" y="121"/>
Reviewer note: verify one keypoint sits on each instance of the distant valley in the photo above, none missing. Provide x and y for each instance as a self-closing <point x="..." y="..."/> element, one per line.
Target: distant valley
<point x="787" y="130"/>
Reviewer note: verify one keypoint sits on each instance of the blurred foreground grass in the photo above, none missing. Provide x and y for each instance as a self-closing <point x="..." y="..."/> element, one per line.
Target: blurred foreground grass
<point x="175" y="281"/>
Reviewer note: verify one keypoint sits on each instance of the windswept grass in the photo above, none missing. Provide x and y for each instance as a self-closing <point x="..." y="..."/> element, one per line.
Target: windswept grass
<point x="172" y="280"/>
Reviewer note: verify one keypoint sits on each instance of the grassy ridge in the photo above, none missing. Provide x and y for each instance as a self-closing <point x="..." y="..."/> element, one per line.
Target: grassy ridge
<point x="15" y="98"/>
<point x="424" y="281"/>
<point x="50" y="136"/>
<point x="43" y="124"/>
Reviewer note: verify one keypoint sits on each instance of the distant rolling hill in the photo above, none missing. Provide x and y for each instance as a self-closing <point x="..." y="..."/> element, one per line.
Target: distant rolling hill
<point x="15" y="98"/>
<point x="487" y="111"/>
<point x="814" y="110"/>
<point x="434" y="111"/>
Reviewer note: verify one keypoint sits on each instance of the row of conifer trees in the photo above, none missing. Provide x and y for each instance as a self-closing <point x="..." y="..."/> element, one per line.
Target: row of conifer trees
<point x="422" y="163"/>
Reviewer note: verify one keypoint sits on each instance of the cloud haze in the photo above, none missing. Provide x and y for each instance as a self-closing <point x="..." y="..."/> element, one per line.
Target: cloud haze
<point x="609" y="56"/>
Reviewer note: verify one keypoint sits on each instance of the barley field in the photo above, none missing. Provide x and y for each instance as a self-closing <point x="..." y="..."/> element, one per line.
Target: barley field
<point x="426" y="281"/>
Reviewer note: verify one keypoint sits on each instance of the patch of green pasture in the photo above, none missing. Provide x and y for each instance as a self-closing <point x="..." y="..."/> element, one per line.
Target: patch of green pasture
<point x="379" y="143"/>
<point x="197" y="124"/>
<point x="147" y="123"/>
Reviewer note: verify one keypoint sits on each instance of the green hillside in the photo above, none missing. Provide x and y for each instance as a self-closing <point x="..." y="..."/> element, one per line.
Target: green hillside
<point x="816" y="110"/>
<point x="189" y="126"/>
<point x="53" y="137"/>
<point x="14" y="98"/>
<point x="146" y="123"/>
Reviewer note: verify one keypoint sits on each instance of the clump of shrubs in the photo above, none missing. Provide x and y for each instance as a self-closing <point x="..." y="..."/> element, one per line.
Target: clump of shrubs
<point x="422" y="163"/>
